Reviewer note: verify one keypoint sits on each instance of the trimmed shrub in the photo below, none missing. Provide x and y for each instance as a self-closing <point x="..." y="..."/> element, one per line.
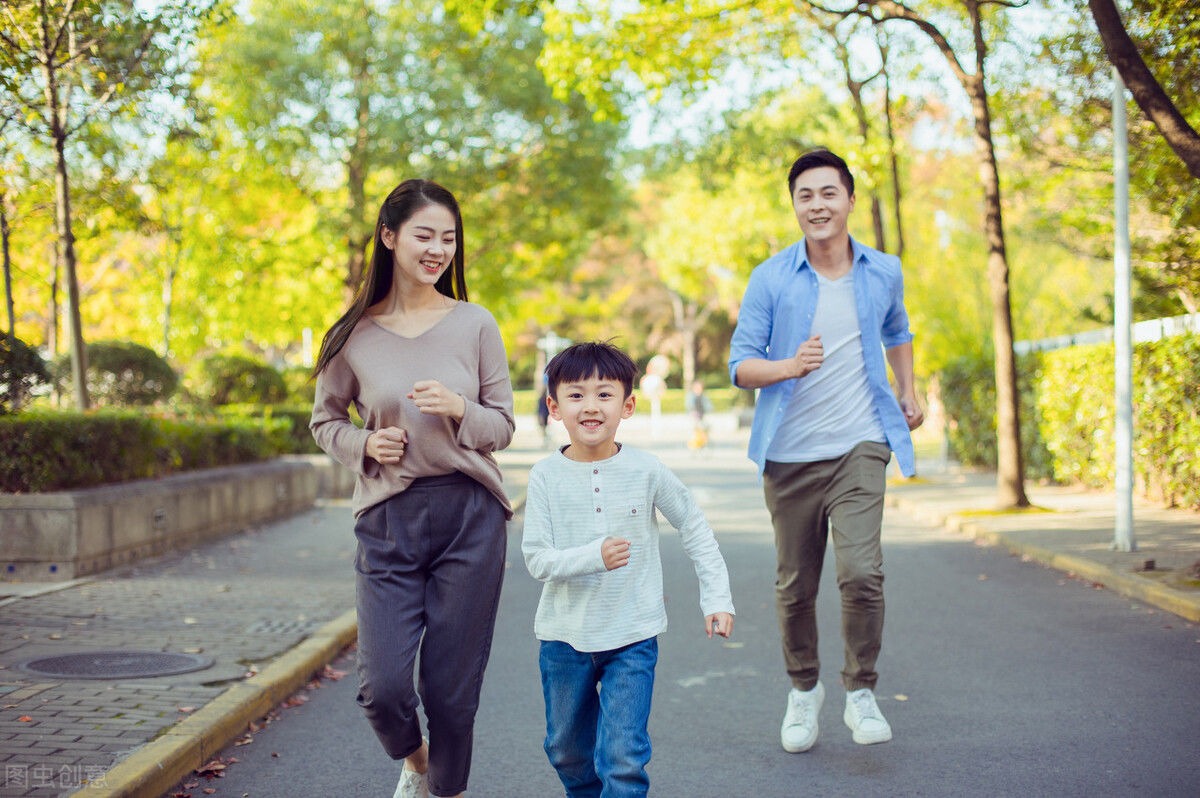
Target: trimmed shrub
<point x="1069" y="427"/>
<point x="226" y="379"/>
<point x="22" y="370"/>
<point x="52" y="450"/>
<point x="969" y="396"/>
<point x="125" y="374"/>
<point x="301" y="388"/>
<point x="290" y="424"/>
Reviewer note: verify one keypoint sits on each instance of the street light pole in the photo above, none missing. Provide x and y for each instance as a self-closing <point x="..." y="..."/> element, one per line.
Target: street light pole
<point x="1123" y="538"/>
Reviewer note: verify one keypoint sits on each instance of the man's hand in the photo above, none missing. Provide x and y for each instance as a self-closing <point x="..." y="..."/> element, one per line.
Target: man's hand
<point x="615" y="552"/>
<point x="719" y="622"/>
<point x="434" y="399"/>
<point x="913" y="414"/>
<point x="808" y="357"/>
<point x="386" y="446"/>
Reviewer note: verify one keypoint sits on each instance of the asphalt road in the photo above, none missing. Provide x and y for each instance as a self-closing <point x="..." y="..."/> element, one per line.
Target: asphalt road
<point x="999" y="677"/>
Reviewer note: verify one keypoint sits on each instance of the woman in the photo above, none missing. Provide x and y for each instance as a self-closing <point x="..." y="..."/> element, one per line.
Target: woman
<point x="427" y="373"/>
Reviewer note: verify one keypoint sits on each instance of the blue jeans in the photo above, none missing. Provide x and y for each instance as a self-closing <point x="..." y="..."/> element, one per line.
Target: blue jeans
<point x="597" y="739"/>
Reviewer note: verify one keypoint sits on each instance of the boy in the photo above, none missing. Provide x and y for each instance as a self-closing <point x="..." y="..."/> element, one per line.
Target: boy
<point x="590" y="535"/>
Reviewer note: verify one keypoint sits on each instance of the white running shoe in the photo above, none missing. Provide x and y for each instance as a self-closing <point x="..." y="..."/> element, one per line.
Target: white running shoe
<point x="411" y="785"/>
<point x="865" y="720"/>
<point x="799" y="730"/>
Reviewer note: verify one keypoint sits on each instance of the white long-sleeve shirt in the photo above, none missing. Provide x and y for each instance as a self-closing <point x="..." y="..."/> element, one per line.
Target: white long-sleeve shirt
<point x="571" y="507"/>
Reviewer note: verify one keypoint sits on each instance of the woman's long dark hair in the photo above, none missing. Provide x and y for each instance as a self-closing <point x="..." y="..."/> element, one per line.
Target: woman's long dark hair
<point x="404" y="201"/>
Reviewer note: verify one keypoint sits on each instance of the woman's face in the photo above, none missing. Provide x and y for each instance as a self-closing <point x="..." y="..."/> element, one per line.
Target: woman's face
<point x="422" y="247"/>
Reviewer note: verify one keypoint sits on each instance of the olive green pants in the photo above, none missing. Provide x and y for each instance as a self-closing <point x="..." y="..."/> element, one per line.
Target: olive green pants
<point x="809" y="502"/>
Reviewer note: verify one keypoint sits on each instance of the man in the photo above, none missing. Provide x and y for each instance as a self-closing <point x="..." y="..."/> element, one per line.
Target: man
<point x="815" y="326"/>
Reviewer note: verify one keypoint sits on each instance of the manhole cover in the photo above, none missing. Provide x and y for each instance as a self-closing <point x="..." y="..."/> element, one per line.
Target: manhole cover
<point x="115" y="664"/>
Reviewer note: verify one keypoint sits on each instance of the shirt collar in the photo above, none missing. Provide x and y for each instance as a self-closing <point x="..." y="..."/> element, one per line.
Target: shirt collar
<point x="859" y="254"/>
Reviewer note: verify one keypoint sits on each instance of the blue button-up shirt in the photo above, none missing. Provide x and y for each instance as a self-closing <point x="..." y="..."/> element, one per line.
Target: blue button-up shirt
<point x="776" y="317"/>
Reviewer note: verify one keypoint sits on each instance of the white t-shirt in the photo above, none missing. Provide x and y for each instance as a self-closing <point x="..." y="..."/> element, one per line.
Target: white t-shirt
<point x="830" y="411"/>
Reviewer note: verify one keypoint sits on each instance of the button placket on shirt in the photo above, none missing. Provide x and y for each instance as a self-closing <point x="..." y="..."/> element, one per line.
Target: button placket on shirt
<point x="597" y="498"/>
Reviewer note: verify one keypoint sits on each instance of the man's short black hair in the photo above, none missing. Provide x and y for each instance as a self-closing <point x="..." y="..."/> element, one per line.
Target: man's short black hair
<point x="598" y="359"/>
<point x="815" y="159"/>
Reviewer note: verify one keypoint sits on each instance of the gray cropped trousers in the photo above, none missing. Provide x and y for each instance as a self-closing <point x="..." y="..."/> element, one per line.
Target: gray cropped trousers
<point x="429" y="566"/>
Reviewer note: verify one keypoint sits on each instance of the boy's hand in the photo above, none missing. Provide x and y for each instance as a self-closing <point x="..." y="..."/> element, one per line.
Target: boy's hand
<point x="615" y="552"/>
<point x="719" y="622"/>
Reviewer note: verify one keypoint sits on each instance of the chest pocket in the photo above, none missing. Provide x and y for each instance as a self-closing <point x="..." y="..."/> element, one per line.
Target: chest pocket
<point x="631" y="521"/>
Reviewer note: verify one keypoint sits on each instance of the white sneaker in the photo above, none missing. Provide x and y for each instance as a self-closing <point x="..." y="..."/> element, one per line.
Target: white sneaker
<point x="865" y="720"/>
<point x="411" y="785"/>
<point x="799" y="730"/>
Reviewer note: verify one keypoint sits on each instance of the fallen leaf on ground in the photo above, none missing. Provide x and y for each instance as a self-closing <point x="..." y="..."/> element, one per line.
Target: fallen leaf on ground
<point x="24" y="719"/>
<point x="186" y="709"/>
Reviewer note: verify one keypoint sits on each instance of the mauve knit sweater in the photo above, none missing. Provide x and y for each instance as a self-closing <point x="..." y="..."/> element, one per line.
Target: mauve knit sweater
<point x="375" y="371"/>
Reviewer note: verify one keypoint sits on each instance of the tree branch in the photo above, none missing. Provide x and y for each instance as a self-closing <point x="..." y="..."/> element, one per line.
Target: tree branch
<point x="62" y="27"/>
<point x="1144" y="87"/>
<point x="890" y="9"/>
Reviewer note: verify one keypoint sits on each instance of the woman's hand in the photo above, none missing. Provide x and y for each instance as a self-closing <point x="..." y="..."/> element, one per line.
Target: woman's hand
<point x="434" y="399"/>
<point x="386" y="445"/>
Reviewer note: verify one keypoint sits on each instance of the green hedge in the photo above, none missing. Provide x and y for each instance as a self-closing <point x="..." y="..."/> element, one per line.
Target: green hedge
<point x="1068" y="416"/>
<point x="969" y="396"/>
<point x="48" y="450"/>
<point x="291" y="424"/>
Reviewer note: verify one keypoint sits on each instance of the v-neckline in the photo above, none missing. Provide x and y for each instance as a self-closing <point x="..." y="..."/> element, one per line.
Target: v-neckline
<point x="389" y="330"/>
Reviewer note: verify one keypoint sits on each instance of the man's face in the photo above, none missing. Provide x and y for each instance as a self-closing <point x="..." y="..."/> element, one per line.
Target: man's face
<point x="822" y="204"/>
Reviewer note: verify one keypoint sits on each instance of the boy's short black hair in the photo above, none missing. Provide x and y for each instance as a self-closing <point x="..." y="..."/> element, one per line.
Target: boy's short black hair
<point x="817" y="158"/>
<point x="598" y="359"/>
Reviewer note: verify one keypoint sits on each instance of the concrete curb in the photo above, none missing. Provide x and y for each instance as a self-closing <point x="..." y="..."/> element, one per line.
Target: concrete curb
<point x="158" y="765"/>
<point x="1164" y="597"/>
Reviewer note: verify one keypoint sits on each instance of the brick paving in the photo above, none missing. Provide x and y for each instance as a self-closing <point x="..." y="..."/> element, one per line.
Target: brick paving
<point x="242" y="601"/>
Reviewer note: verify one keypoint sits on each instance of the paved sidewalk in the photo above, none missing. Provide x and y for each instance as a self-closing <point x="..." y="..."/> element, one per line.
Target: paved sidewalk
<point x="273" y="605"/>
<point x="1069" y="528"/>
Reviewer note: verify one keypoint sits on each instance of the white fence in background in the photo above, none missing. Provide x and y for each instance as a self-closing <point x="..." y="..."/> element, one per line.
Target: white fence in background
<point x="1143" y="331"/>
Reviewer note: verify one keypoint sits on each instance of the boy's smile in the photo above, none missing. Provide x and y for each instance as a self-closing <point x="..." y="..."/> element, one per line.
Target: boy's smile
<point x="590" y="410"/>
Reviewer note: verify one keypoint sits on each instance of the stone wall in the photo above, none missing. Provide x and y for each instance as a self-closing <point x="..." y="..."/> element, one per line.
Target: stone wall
<point x="66" y="534"/>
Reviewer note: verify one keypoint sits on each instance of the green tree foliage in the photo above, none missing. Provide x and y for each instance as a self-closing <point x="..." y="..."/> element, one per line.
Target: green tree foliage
<point x="348" y="99"/>
<point x="65" y="66"/>
<point x="1064" y="121"/>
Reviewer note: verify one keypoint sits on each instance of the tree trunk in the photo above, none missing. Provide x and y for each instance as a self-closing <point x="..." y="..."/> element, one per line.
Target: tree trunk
<point x="864" y="131"/>
<point x="1010" y="466"/>
<point x="687" y="323"/>
<point x="52" y="311"/>
<point x="356" y="178"/>
<point x="8" y="297"/>
<point x="66" y="241"/>
<point x="1144" y="87"/>
<point x="891" y="144"/>
<point x="168" y="292"/>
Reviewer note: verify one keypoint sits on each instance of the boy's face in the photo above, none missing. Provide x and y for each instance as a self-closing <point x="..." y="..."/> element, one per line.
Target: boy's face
<point x="591" y="409"/>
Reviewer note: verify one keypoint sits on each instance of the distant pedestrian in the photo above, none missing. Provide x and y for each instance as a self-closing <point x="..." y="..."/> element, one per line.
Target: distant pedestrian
<point x="427" y="372"/>
<point x="543" y="412"/>
<point x="590" y="535"/>
<point x="816" y="324"/>
<point x="698" y="406"/>
<point x="654" y="387"/>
